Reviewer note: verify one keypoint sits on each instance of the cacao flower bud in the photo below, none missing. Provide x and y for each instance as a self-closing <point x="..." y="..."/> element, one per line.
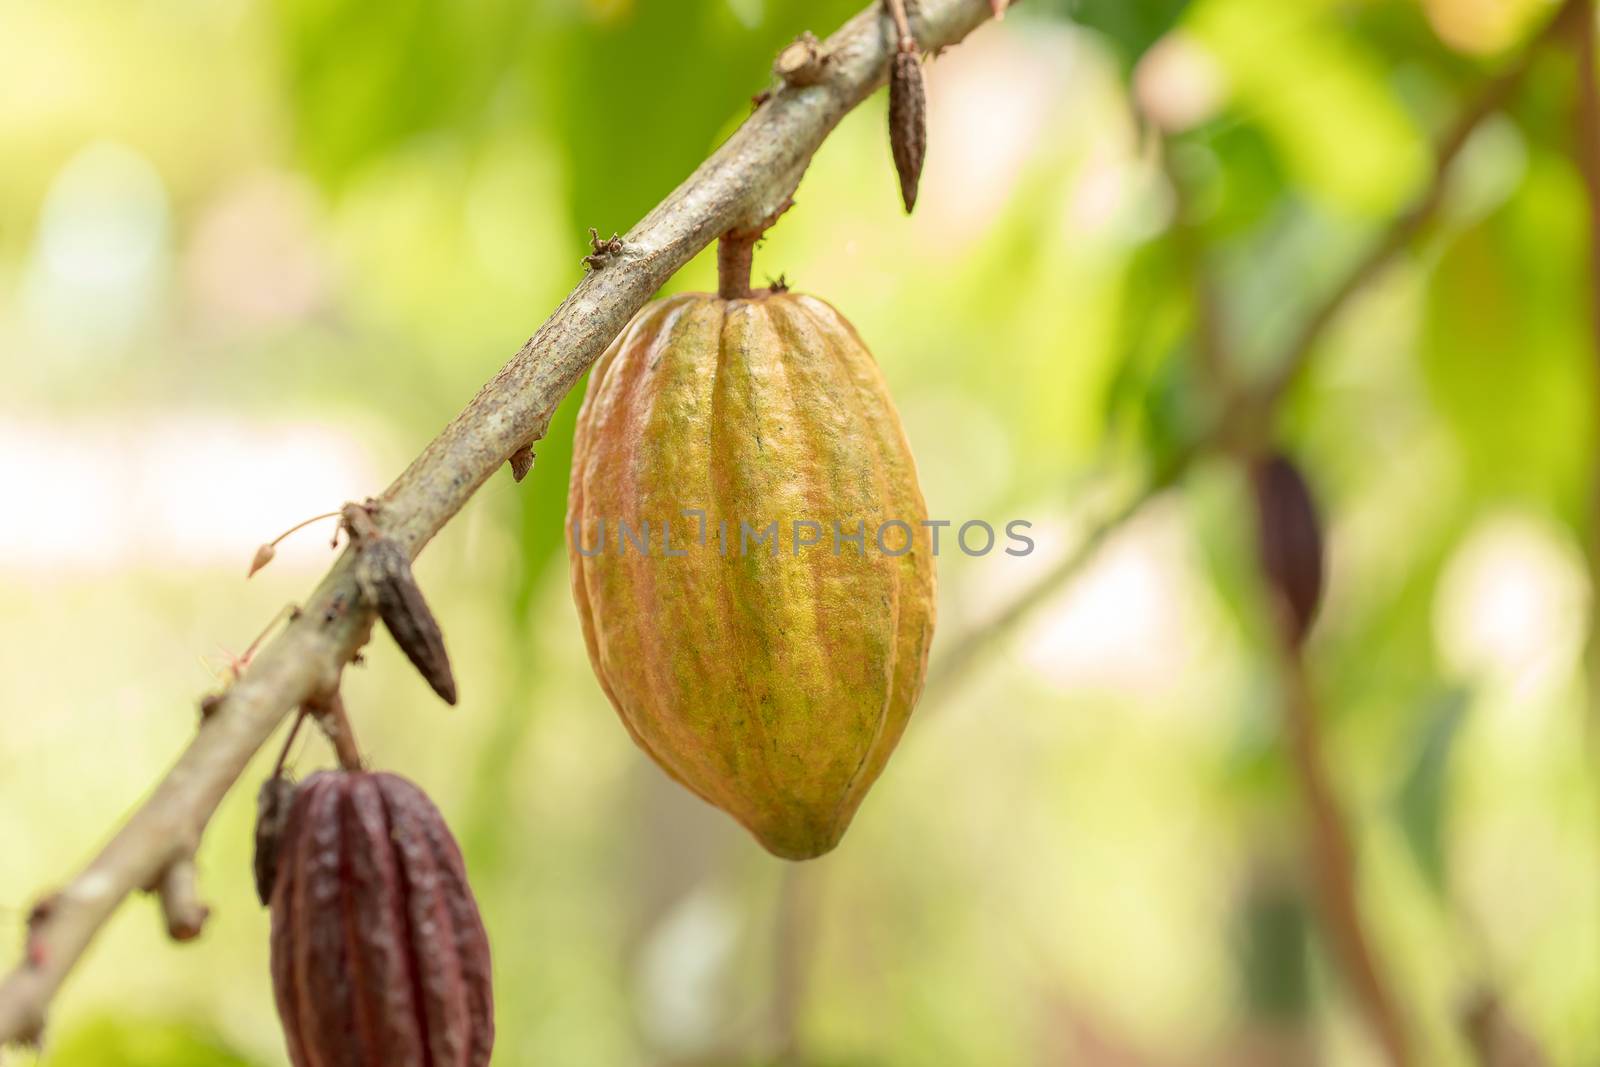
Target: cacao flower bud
<point x="1290" y="539"/>
<point x="908" y="123"/>
<point x="273" y="802"/>
<point x="379" y="958"/>
<point x="384" y="574"/>
<point x="760" y="658"/>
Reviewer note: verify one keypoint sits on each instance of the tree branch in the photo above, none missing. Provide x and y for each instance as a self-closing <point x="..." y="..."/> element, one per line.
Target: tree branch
<point x="743" y="182"/>
<point x="1260" y="399"/>
<point x="1333" y="859"/>
<point x="1493" y="97"/>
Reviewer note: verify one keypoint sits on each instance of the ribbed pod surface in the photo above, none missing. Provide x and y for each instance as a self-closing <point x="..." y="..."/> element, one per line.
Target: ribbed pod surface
<point x="379" y="957"/>
<point x="772" y="679"/>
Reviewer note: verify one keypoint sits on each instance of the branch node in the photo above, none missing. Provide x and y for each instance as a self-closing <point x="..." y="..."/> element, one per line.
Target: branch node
<point x="181" y="907"/>
<point x="802" y="62"/>
<point x="602" y="252"/>
<point x="34" y="953"/>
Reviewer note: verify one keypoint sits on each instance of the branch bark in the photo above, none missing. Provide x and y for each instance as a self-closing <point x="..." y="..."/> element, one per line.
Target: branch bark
<point x="743" y="182"/>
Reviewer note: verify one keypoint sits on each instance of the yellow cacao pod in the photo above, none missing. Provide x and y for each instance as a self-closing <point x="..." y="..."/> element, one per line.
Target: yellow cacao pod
<point x="771" y="676"/>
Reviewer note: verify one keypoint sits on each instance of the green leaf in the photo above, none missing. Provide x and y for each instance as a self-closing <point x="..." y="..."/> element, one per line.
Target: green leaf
<point x="1130" y="26"/>
<point x="1506" y="349"/>
<point x="1322" y="96"/>
<point x="1272" y="946"/>
<point x="1422" y="799"/>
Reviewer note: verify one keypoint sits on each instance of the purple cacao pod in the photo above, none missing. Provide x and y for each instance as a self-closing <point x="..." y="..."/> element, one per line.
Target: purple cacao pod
<point x="1290" y="538"/>
<point x="379" y="958"/>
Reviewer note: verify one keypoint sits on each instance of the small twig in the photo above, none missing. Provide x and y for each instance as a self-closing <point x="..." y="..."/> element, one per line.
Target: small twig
<point x="266" y="552"/>
<point x="288" y="743"/>
<point x="1333" y="857"/>
<point x="1209" y="340"/>
<point x="180" y="901"/>
<point x="329" y="711"/>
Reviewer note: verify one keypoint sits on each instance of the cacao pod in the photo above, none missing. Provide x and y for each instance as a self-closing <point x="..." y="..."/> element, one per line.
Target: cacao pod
<point x="771" y="678"/>
<point x="379" y="958"/>
<point x="1289" y="534"/>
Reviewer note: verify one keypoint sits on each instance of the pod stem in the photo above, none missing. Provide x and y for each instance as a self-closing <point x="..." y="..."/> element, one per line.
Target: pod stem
<point x="735" y="252"/>
<point x="335" y="722"/>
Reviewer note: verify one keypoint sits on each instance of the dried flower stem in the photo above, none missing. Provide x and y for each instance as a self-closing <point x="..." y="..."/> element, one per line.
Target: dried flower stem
<point x="745" y="180"/>
<point x="905" y="40"/>
<point x="288" y="743"/>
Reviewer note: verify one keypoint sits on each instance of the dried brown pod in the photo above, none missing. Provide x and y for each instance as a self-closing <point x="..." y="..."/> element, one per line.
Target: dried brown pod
<point x="1290" y="539"/>
<point x="379" y="957"/>
<point x="384" y="574"/>
<point x="908" y="122"/>
<point x="273" y="802"/>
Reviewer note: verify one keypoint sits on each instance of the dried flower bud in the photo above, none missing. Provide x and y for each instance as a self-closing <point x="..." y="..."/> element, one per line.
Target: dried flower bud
<point x="1290" y="536"/>
<point x="262" y="557"/>
<point x="379" y="957"/>
<point x="384" y="574"/>
<point x="272" y="813"/>
<point x="908" y="123"/>
<point x="521" y="463"/>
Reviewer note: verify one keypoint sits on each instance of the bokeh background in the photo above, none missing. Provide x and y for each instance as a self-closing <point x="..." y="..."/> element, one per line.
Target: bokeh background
<point x="253" y="253"/>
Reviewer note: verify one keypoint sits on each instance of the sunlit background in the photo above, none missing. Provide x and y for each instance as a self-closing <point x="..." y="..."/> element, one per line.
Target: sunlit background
<point x="253" y="253"/>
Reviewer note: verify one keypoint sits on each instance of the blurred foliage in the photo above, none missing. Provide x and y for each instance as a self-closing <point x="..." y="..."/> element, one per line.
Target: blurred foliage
<point x="302" y="232"/>
<point x="129" y="1043"/>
